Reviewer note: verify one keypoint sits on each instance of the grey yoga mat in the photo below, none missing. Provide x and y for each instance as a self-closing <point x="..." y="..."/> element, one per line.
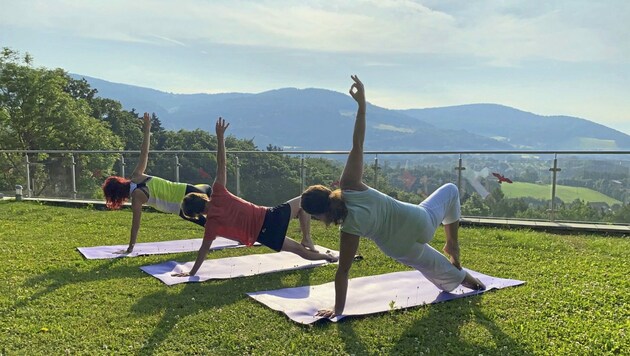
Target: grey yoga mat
<point x="233" y="267"/>
<point x="368" y="295"/>
<point x="154" y="248"/>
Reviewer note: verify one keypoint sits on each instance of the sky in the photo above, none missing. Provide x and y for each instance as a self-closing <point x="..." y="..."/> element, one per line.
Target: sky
<point x="564" y="57"/>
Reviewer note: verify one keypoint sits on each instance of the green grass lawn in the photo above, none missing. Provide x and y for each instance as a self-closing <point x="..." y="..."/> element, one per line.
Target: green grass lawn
<point x="543" y="191"/>
<point x="52" y="301"/>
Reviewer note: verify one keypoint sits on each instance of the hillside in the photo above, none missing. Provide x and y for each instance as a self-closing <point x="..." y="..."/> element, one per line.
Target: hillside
<point x="318" y="119"/>
<point x="524" y="130"/>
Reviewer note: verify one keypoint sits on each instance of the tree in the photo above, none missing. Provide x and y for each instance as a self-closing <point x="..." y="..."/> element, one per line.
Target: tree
<point x="475" y="206"/>
<point x="124" y="124"/>
<point x="42" y="109"/>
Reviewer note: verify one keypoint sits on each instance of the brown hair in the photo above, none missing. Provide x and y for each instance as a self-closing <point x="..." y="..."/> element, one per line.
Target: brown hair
<point x="194" y="204"/>
<point x="318" y="199"/>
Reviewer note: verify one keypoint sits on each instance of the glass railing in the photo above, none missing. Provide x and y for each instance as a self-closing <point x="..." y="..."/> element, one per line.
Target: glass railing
<point x="585" y="186"/>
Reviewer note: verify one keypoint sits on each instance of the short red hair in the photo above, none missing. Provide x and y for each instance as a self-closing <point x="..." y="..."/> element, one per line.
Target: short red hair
<point x="116" y="190"/>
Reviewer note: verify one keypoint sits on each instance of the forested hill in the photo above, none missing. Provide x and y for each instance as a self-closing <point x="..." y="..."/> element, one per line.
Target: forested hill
<point x="523" y="129"/>
<point x="317" y="119"/>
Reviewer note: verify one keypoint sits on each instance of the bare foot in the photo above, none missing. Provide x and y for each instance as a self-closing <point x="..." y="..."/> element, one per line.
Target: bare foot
<point x="472" y="283"/>
<point x="330" y="257"/>
<point x="452" y="250"/>
<point x="308" y="244"/>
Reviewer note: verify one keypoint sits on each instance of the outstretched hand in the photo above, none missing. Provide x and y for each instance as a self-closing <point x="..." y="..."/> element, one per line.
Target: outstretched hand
<point x="357" y="91"/>
<point x="221" y="126"/>
<point x="146" y="120"/>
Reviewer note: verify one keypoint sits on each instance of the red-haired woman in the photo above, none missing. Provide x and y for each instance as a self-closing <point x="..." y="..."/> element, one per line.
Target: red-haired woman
<point x="156" y="192"/>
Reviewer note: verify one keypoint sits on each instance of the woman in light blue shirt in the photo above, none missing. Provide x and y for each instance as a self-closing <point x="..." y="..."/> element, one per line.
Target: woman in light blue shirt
<point x="401" y="230"/>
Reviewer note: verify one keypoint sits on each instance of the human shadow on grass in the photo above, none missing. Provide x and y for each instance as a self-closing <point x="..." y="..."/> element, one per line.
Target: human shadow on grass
<point x="204" y="296"/>
<point x="439" y="329"/>
<point x="61" y="277"/>
<point x="443" y="324"/>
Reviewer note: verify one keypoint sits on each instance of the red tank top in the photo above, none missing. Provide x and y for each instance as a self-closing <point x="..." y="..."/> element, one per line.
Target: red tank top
<point x="232" y="217"/>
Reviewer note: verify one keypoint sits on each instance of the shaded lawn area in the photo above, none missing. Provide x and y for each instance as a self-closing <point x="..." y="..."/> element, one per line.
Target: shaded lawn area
<point x="52" y="301"/>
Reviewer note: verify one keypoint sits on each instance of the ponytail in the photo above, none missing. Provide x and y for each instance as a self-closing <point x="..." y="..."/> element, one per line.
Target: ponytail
<point x="318" y="199"/>
<point x="338" y="211"/>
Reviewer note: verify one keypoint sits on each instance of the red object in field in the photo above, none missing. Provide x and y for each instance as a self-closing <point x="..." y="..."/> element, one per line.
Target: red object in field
<point x="502" y="178"/>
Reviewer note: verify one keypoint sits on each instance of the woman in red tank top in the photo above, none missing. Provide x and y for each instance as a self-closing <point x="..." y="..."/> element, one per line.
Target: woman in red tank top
<point x="235" y="218"/>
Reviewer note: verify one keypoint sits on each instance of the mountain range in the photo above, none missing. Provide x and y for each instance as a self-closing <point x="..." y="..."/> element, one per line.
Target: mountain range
<point x="319" y="119"/>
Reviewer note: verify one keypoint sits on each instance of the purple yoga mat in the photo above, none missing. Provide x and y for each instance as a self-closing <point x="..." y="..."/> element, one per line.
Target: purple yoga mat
<point x="368" y="295"/>
<point x="155" y="248"/>
<point x="233" y="267"/>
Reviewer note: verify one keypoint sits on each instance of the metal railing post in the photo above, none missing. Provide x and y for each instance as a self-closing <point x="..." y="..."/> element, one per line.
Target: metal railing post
<point x="459" y="170"/>
<point x="177" y="165"/>
<point x="238" y="177"/>
<point x="29" y="191"/>
<point x="74" y="176"/>
<point x="302" y="171"/>
<point x="122" y="165"/>
<point x="554" y="170"/>
<point x="376" y="171"/>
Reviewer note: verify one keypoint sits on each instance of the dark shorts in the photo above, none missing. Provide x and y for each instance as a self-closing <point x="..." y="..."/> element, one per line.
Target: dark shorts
<point x="274" y="228"/>
<point x="199" y="188"/>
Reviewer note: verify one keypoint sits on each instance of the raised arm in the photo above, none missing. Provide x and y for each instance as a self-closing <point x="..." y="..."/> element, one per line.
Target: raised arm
<point x="144" y="149"/>
<point x="352" y="175"/>
<point x="220" y="128"/>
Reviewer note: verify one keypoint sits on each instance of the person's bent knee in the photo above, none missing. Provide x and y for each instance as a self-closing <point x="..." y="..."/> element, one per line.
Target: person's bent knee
<point x="452" y="189"/>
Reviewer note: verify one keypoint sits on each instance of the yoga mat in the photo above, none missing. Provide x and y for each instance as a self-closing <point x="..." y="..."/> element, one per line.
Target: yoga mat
<point x="368" y="295"/>
<point x="233" y="267"/>
<point x="155" y="248"/>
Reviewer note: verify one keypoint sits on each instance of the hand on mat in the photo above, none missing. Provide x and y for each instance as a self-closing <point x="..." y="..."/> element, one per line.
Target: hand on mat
<point x="326" y="313"/>
<point x="122" y="252"/>
<point x="181" y="274"/>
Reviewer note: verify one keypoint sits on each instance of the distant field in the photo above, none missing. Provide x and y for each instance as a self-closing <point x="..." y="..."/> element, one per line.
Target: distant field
<point x="564" y="192"/>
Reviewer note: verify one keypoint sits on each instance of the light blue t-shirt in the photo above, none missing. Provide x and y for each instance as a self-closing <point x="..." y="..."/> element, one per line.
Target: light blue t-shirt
<point x="393" y="225"/>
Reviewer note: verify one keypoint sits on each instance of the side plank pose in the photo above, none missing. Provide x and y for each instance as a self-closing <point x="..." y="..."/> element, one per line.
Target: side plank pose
<point x="401" y="230"/>
<point x="156" y="192"/>
<point x="235" y="218"/>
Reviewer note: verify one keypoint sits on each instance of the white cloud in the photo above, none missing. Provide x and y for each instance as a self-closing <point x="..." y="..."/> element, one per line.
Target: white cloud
<point x="502" y="34"/>
<point x="549" y="57"/>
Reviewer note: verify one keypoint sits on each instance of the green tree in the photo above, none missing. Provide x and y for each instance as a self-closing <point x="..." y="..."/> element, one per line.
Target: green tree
<point x="124" y="124"/>
<point x="42" y="110"/>
<point x="475" y="206"/>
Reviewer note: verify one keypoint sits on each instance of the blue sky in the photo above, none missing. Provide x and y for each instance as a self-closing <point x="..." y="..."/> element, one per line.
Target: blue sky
<point x="546" y="57"/>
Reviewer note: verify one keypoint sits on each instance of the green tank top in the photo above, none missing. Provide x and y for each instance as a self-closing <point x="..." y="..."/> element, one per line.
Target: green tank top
<point x="165" y="195"/>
